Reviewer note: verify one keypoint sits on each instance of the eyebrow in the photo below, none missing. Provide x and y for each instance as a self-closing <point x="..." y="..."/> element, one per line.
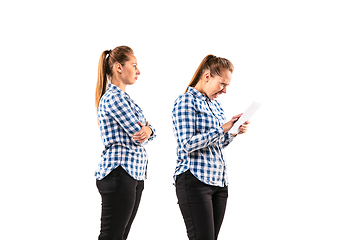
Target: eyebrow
<point x="227" y="84"/>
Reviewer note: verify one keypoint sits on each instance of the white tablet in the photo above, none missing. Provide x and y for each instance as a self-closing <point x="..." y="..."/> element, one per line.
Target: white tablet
<point x="254" y="106"/>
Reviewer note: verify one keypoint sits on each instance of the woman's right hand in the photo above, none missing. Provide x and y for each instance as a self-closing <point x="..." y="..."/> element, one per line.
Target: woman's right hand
<point x="227" y="126"/>
<point x="144" y="133"/>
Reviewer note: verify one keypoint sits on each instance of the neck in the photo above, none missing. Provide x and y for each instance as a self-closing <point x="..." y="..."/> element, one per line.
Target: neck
<point x="118" y="83"/>
<point x="200" y="89"/>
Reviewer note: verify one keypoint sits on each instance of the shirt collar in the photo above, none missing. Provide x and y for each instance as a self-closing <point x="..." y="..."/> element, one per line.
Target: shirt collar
<point x="115" y="88"/>
<point x="197" y="94"/>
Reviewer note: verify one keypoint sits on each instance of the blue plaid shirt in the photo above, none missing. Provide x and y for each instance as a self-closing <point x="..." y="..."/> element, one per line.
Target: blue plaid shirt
<point x="118" y="120"/>
<point x="197" y="125"/>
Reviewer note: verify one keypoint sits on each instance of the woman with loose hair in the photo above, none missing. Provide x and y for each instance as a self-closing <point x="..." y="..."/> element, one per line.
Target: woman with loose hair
<point x="124" y="131"/>
<point x="201" y="132"/>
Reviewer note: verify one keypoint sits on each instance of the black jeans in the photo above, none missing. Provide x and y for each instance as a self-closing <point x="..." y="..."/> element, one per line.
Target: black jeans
<point x="121" y="196"/>
<point x="202" y="206"/>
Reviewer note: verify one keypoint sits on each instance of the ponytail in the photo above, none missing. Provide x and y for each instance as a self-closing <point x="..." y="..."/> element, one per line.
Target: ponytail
<point x="212" y="63"/>
<point x="195" y="79"/>
<point x="101" y="78"/>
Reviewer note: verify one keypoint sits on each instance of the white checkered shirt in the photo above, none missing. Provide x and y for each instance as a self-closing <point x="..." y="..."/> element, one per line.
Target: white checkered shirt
<point x="118" y="119"/>
<point x="197" y="125"/>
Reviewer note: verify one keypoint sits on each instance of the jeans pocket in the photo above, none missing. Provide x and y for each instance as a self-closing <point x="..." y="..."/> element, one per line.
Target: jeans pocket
<point x="107" y="184"/>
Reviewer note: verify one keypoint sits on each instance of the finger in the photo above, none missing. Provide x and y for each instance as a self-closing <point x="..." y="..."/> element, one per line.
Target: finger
<point x="138" y="133"/>
<point x="141" y="125"/>
<point x="235" y="118"/>
<point x="142" y="138"/>
<point x="141" y="133"/>
<point x="139" y="138"/>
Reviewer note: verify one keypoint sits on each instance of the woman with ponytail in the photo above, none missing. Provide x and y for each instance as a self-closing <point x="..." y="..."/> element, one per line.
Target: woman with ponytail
<point x="201" y="132"/>
<point x="124" y="131"/>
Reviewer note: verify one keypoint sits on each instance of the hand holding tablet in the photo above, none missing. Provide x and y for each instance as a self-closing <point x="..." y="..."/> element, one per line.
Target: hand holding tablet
<point x="254" y="106"/>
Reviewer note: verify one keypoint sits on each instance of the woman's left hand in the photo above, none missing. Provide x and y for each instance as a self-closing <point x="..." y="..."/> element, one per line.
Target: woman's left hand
<point x="243" y="128"/>
<point x="144" y="133"/>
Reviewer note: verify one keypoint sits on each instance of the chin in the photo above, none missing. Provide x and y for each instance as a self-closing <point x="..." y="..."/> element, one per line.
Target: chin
<point x="215" y="97"/>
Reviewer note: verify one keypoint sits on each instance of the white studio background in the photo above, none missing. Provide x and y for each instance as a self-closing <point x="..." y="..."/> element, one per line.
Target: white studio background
<point x="294" y="175"/>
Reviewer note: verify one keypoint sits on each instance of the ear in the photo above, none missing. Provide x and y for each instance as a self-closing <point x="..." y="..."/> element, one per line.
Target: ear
<point x="118" y="67"/>
<point x="206" y="76"/>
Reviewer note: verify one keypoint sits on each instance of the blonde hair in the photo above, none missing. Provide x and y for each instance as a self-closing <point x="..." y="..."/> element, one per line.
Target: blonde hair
<point x="107" y="59"/>
<point x="212" y="63"/>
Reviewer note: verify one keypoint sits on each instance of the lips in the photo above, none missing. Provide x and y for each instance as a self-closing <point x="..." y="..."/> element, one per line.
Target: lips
<point x="217" y="94"/>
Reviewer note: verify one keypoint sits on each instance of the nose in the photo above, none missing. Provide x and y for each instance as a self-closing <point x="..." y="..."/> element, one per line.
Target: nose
<point x="224" y="90"/>
<point x="137" y="71"/>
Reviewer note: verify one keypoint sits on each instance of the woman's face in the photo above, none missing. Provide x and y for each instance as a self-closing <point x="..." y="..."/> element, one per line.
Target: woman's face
<point x="129" y="71"/>
<point x="215" y="86"/>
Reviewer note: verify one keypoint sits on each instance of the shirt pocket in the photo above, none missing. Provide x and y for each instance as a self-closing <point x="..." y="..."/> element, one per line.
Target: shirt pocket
<point x="219" y="114"/>
<point x="205" y="121"/>
<point x="137" y="111"/>
<point x="220" y="117"/>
